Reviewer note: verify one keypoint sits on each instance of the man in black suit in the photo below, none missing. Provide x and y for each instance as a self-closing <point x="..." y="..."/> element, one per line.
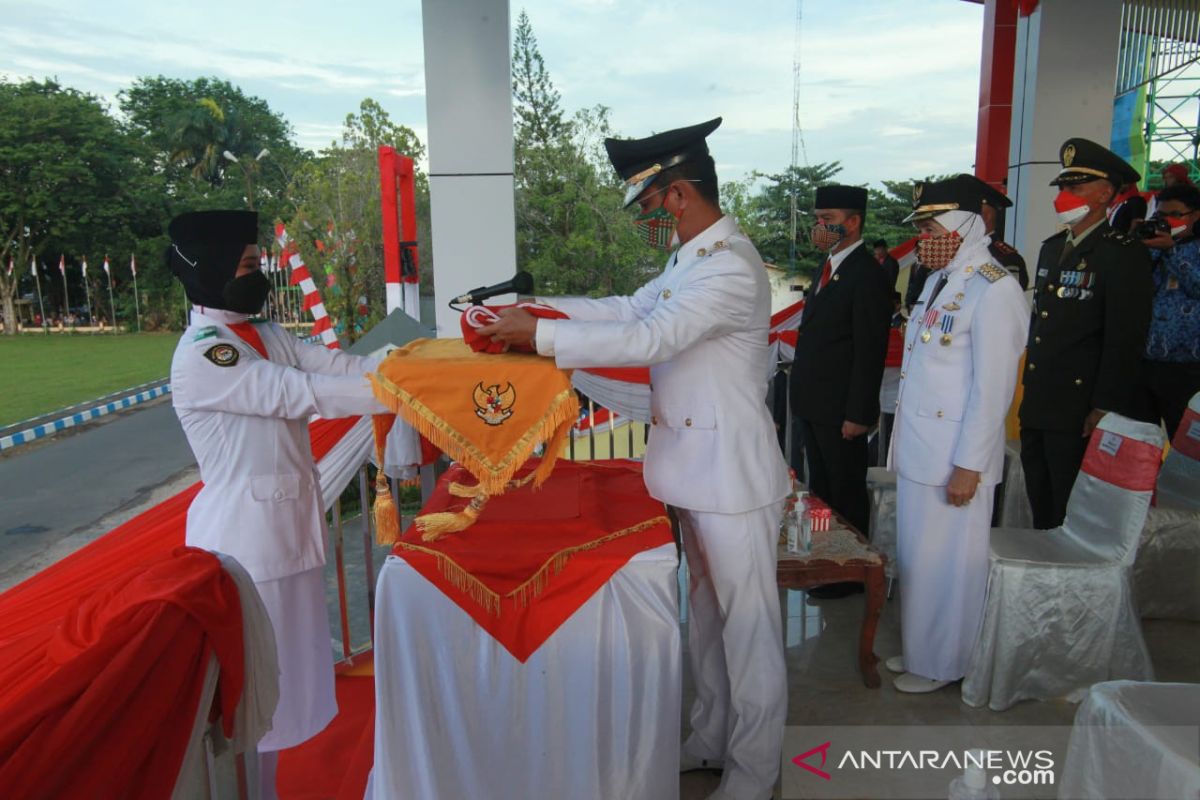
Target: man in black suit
<point x="840" y="349"/>
<point x="1091" y="311"/>
<point x="890" y="265"/>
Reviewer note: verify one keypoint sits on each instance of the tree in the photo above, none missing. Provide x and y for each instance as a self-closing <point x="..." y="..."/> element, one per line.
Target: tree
<point x="538" y="118"/>
<point x="184" y="128"/>
<point x="338" y="222"/>
<point x="70" y="183"/>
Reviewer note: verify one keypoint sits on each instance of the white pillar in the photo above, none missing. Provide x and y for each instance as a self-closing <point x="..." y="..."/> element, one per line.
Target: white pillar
<point x="1065" y="77"/>
<point x="468" y="108"/>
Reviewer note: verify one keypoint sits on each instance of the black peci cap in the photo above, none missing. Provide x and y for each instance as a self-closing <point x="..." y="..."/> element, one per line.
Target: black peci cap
<point x="850" y="197"/>
<point x="1083" y="160"/>
<point x="640" y="161"/>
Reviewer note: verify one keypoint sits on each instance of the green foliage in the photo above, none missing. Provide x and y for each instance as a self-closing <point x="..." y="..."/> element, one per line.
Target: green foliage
<point x="572" y="234"/>
<point x="338" y="222"/>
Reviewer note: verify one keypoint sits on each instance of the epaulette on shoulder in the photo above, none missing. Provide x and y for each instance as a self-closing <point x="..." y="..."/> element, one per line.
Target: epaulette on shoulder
<point x="1003" y="247"/>
<point x="207" y="332"/>
<point x="1060" y="235"/>
<point x="992" y="273"/>
<point x="1120" y="237"/>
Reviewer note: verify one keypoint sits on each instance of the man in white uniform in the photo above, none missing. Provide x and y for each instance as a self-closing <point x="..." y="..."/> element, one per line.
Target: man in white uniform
<point x="701" y="326"/>
<point x="244" y="390"/>
<point x="964" y="340"/>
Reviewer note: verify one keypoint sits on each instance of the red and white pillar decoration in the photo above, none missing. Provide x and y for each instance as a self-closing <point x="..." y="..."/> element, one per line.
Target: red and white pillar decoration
<point x="398" y="201"/>
<point x="300" y="276"/>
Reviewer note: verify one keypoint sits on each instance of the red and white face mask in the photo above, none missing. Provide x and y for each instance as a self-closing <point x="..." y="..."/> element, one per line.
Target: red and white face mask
<point x="1178" y="226"/>
<point x="936" y="252"/>
<point x="1071" y="208"/>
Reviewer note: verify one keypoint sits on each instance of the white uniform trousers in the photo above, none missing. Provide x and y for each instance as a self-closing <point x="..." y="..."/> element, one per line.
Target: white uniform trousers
<point x="307" y="703"/>
<point x="943" y="559"/>
<point x="735" y="646"/>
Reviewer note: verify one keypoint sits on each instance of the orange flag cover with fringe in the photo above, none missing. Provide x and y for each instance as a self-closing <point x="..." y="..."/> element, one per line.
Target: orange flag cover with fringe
<point x="487" y="412"/>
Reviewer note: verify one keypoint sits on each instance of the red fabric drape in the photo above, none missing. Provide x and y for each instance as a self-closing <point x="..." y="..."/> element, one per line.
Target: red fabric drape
<point x="101" y="702"/>
<point x="46" y="596"/>
<point x="586" y="521"/>
<point x="1122" y="461"/>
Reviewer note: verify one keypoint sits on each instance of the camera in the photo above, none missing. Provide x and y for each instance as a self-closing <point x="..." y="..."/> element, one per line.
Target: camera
<point x="1151" y="228"/>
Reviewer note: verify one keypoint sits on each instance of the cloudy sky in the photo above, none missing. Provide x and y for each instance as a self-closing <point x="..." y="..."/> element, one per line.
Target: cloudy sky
<point x="888" y="87"/>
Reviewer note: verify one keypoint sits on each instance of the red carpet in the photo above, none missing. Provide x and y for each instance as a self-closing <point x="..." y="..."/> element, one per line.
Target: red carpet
<point x="335" y="763"/>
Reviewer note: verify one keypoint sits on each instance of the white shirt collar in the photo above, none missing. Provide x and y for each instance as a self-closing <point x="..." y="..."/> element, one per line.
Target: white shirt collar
<point x="836" y="259"/>
<point x="218" y="315"/>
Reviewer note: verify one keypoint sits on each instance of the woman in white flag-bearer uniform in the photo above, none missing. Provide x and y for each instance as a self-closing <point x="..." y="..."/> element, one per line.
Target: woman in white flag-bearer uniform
<point x="244" y="390"/>
<point x="964" y="340"/>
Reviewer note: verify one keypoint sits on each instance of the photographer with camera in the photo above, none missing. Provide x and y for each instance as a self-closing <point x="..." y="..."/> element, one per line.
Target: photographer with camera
<point x="1171" y="369"/>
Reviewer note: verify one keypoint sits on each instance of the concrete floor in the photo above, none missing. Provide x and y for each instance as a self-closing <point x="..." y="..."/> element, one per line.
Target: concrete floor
<point x="825" y="688"/>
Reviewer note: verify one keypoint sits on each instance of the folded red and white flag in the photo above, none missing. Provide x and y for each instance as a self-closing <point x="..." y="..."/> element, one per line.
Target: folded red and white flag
<point x="476" y="317"/>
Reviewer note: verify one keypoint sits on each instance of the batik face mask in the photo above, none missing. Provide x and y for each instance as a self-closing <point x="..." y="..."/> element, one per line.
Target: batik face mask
<point x="826" y="237"/>
<point x="1070" y="208"/>
<point x="656" y="228"/>
<point x="936" y="252"/>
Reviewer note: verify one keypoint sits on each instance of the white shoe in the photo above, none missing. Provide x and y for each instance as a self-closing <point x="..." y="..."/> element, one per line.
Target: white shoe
<point x="915" y="684"/>
<point x="689" y="763"/>
<point x="895" y="664"/>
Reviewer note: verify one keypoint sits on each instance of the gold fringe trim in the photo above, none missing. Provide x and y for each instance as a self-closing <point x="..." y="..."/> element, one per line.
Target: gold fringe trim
<point x="564" y="409"/>
<point x="436" y="525"/>
<point x="537" y="583"/>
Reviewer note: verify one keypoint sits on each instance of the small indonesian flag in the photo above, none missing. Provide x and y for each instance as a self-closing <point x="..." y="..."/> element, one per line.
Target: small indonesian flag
<point x="62" y="265"/>
<point x="106" y="270"/>
<point x="83" y="268"/>
<point x="133" y="265"/>
<point x="10" y="266"/>
<point x="33" y="267"/>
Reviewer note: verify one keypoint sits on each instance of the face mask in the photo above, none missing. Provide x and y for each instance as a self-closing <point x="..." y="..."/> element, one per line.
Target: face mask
<point x="657" y="228"/>
<point x="1070" y="208"/>
<point x="246" y="294"/>
<point x="826" y="237"/>
<point x="936" y="252"/>
<point x="1177" y="225"/>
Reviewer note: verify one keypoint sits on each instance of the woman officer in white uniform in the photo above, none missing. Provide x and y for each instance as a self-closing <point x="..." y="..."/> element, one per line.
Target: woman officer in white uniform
<point x="964" y="340"/>
<point x="244" y="390"/>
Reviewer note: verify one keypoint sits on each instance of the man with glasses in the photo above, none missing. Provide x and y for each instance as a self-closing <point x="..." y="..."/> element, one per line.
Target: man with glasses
<point x="1171" y="367"/>
<point x="701" y="326"/>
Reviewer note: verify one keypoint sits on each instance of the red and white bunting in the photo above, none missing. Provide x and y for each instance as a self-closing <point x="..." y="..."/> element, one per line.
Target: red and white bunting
<point x="300" y="276"/>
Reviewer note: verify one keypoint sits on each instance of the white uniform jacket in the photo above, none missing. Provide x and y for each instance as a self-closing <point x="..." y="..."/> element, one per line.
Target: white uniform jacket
<point x="957" y="382"/>
<point x="701" y="326"/>
<point x="246" y="419"/>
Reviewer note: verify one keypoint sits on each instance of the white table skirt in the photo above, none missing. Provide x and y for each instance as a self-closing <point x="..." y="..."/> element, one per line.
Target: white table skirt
<point x="1135" y="740"/>
<point x="594" y="714"/>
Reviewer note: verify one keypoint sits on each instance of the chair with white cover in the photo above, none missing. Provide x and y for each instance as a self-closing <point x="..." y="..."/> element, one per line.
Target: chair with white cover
<point x="1060" y="614"/>
<point x="881" y="488"/>
<point x="1166" y="574"/>
<point x="1134" y="739"/>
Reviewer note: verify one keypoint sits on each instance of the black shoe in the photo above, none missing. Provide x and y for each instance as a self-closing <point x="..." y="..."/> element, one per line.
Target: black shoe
<point x="835" y="591"/>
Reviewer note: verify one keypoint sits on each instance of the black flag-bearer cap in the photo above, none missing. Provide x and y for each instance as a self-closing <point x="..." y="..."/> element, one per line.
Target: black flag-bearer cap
<point x="960" y="193"/>
<point x="639" y="162"/>
<point x="205" y="249"/>
<point x="1083" y="160"/>
<point x="991" y="195"/>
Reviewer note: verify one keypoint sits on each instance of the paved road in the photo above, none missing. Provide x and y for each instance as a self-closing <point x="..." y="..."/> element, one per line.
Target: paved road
<point x="65" y="486"/>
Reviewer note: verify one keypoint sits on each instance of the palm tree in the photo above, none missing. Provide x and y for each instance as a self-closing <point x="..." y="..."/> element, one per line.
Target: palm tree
<point x="208" y="138"/>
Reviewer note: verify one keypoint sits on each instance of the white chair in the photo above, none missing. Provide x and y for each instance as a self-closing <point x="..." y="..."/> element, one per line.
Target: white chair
<point x="1166" y="574"/>
<point x="1134" y="740"/>
<point x="881" y="488"/>
<point x="1060" y="614"/>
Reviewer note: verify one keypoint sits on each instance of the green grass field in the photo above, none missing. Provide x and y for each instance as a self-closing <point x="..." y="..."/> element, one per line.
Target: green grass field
<point x="44" y="373"/>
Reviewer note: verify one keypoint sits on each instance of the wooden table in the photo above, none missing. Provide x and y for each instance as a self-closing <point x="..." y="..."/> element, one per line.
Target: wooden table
<point x="842" y="554"/>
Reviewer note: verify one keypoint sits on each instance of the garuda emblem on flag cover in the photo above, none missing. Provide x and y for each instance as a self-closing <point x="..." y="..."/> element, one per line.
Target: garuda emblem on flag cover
<point x="492" y="405"/>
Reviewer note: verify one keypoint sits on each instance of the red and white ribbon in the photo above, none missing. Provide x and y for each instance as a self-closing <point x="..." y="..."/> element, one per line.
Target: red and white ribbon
<point x="300" y="276"/>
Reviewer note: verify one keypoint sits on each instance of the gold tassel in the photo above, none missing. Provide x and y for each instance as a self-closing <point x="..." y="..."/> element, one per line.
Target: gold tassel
<point x="387" y="518"/>
<point x="435" y="526"/>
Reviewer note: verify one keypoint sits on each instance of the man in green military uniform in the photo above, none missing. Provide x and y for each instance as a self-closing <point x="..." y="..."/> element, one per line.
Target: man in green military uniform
<point x="1091" y="310"/>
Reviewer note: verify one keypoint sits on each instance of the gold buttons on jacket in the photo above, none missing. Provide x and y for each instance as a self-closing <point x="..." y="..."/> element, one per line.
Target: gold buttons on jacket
<point x="1045" y="314"/>
<point x="901" y="376"/>
<point x="702" y="252"/>
<point x="1079" y="381"/>
<point x="666" y="294"/>
<point x="940" y="414"/>
<point x="1037" y="340"/>
<point x="1050" y="287"/>
<point x="688" y="422"/>
<point x="1032" y="367"/>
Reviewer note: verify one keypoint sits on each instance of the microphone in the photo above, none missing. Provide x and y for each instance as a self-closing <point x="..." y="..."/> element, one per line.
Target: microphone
<point x="521" y="283"/>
